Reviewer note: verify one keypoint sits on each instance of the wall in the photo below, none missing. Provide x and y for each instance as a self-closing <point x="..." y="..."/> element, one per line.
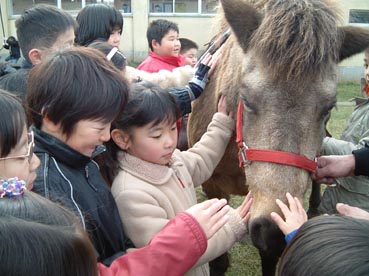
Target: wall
<point x="196" y="27"/>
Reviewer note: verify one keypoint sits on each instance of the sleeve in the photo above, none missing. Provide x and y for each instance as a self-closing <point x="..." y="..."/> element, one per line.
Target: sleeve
<point x="178" y="77"/>
<point x="205" y="155"/>
<point x="233" y="231"/>
<point x="138" y="208"/>
<point x="172" y="252"/>
<point x="183" y="98"/>
<point x="362" y="161"/>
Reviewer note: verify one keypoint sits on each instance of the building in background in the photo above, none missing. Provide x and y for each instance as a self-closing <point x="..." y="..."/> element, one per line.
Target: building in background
<point x="194" y="18"/>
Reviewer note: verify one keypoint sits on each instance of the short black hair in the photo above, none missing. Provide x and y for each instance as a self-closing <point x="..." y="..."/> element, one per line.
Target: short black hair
<point x="187" y="44"/>
<point x="40" y="26"/>
<point x="158" y="29"/>
<point x="73" y="85"/>
<point x="328" y="245"/>
<point x="32" y="222"/>
<point x="12" y="122"/>
<point x="97" y="21"/>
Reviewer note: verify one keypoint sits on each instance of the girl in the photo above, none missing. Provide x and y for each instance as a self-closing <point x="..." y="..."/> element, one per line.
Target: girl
<point x="154" y="181"/>
<point x="29" y="222"/>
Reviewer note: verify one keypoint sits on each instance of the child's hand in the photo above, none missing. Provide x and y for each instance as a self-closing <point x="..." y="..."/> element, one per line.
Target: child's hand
<point x="222" y="106"/>
<point x="295" y="215"/>
<point x="211" y="215"/>
<point x="244" y="209"/>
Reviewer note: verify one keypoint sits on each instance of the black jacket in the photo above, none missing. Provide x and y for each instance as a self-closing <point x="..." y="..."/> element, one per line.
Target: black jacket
<point x="362" y="160"/>
<point x="74" y="180"/>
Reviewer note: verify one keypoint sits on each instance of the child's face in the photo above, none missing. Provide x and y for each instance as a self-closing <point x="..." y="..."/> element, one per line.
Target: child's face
<point x="153" y="144"/>
<point x="366" y="66"/>
<point x="191" y="57"/>
<point x="24" y="163"/>
<point x="86" y="136"/>
<point x="169" y="45"/>
<point x="114" y="38"/>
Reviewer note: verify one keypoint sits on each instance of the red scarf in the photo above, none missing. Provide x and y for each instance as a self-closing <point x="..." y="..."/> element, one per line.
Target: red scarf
<point x="366" y="89"/>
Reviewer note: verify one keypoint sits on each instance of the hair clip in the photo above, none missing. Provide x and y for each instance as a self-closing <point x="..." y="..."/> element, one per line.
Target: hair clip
<point x="12" y="187"/>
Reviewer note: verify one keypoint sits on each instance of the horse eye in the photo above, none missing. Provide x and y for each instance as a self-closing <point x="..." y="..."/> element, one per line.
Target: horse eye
<point x="248" y="106"/>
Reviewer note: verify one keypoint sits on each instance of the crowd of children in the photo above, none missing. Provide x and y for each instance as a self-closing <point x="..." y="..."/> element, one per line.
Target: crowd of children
<point x="55" y="198"/>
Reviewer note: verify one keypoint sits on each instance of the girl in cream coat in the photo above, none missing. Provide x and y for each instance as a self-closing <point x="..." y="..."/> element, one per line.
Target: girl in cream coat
<point x="154" y="181"/>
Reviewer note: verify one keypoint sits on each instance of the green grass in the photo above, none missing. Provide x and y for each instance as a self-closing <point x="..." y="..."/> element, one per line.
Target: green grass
<point x="245" y="259"/>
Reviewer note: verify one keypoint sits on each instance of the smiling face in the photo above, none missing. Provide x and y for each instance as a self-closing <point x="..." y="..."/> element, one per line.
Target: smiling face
<point x="22" y="166"/>
<point x="169" y="45"/>
<point x="152" y="143"/>
<point x="86" y="136"/>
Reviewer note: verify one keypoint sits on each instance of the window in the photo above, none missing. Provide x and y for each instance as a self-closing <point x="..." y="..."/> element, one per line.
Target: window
<point x="183" y="6"/>
<point x="359" y="16"/>
<point x="17" y="7"/>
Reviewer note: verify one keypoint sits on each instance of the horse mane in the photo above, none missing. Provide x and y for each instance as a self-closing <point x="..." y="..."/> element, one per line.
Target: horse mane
<point x="298" y="39"/>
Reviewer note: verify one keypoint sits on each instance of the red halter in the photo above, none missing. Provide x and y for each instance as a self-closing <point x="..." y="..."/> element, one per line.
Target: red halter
<point x="280" y="157"/>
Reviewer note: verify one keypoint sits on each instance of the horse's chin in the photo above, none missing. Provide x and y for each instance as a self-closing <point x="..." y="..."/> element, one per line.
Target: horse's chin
<point x="266" y="237"/>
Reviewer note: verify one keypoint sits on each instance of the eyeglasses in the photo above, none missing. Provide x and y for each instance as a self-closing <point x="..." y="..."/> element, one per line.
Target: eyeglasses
<point x="29" y="155"/>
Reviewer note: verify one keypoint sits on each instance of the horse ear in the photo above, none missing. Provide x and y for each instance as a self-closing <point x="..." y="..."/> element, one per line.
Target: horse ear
<point x="354" y="41"/>
<point x="243" y="18"/>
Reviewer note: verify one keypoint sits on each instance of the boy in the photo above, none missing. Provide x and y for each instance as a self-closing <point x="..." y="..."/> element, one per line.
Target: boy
<point x="189" y="50"/>
<point x="162" y="36"/>
<point x="70" y="124"/>
<point x="41" y="31"/>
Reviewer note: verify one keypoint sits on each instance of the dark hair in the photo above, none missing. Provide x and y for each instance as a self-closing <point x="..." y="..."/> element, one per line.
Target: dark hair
<point x="40" y="26"/>
<point x="118" y="59"/>
<point x="80" y="80"/>
<point x="328" y="245"/>
<point x="187" y="44"/>
<point x="12" y="122"/>
<point x="47" y="234"/>
<point x="97" y="21"/>
<point x="148" y="104"/>
<point x="158" y="29"/>
<point x="12" y="41"/>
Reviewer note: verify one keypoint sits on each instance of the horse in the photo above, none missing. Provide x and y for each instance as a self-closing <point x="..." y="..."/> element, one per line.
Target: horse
<point x="278" y="68"/>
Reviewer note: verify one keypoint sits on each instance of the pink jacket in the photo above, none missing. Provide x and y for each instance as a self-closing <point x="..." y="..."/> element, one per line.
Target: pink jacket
<point x="173" y="251"/>
<point x="154" y="63"/>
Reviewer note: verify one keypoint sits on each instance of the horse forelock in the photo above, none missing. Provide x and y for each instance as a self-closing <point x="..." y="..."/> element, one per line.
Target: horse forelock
<point x="298" y="39"/>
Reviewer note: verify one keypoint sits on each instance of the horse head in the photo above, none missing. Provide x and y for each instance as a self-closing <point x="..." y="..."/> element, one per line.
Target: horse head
<point x="281" y="65"/>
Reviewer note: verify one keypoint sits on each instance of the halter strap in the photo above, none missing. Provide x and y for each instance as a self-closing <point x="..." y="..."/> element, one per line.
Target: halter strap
<point x="246" y="155"/>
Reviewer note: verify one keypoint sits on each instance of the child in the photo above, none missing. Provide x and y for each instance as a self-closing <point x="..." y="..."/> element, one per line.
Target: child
<point x="184" y="95"/>
<point x="154" y="181"/>
<point x="14" y="51"/>
<point x="162" y="36"/>
<point x="65" y="236"/>
<point x="71" y="122"/>
<point x="189" y="50"/>
<point x="108" y="27"/>
<point x="16" y="148"/>
<point x="41" y="30"/>
<point x="92" y="32"/>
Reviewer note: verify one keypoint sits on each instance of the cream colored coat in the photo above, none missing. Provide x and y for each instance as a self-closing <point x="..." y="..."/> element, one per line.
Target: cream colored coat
<point x="149" y="195"/>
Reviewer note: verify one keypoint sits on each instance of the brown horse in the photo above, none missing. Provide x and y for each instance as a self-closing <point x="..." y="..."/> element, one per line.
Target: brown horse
<point x="281" y="64"/>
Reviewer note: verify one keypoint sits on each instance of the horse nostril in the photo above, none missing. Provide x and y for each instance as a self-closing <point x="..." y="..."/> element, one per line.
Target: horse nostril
<point x="266" y="236"/>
